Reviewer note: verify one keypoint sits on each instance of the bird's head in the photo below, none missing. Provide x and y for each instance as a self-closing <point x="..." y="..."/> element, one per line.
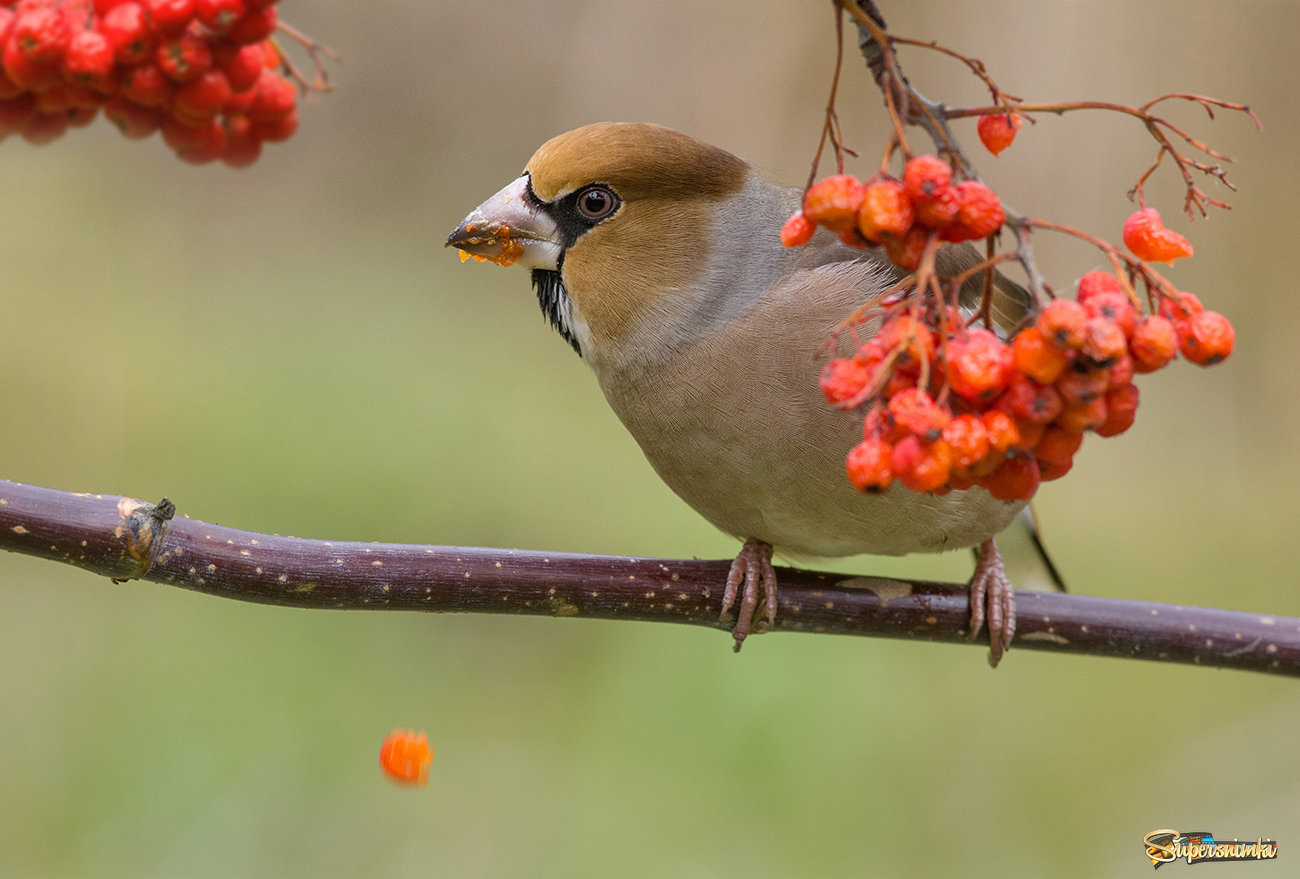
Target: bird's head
<point x="636" y="235"/>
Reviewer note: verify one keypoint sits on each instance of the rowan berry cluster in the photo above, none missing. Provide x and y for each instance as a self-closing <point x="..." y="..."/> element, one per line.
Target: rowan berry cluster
<point x="902" y="215"/>
<point x="203" y="72"/>
<point x="953" y="406"/>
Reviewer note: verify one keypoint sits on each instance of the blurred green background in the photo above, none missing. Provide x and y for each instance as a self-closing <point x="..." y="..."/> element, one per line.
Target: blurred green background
<point x="289" y="348"/>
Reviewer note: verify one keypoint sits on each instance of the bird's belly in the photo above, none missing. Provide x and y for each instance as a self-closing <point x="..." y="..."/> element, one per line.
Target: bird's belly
<point x="777" y="474"/>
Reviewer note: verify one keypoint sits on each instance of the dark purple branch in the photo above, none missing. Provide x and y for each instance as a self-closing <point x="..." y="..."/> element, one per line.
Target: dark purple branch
<point x="124" y="539"/>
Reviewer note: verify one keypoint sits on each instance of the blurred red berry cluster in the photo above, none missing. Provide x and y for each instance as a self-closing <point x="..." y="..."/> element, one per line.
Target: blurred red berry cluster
<point x="952" y="406"/>
<point x="203" y="72"/>
<point x="902" y="215"/>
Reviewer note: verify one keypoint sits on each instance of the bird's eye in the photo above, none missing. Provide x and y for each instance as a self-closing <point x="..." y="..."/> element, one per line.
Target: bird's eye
<point x="596" y="202"/>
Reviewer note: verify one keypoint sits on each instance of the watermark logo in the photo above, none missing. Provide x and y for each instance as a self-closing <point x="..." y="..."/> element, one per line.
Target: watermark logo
<point x="1166" y="846"/>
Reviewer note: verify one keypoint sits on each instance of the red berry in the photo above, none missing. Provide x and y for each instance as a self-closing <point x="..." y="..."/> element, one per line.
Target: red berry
<point x="1103" y="341"/>
<point x="1038" y="357"/>
<point x="926" y="177"/>
<point x="43" y="128"/>
<point x="27" y="74"/>
<point x="1145" y="234"/>
<point x="1154" y="343"/>
<point x="998" y="130"/>
<point x="915" y="412"/>
<point x="980" y="365"/>
<point x="1113" y="306"/>
<point x="1206" y="338"/>
<point x="1083" y="415"/>
<point x="1016" y="479"/>
<point x="938" y="211"/>
<point x="1027" y="400"/>
<point x="1079" y="384"/>
<point x="1121" y="409"/>
<point x="276" y="130"/>
<point x="968" y="440"/>
<point x="146" y="84"/>
<point x="242" y="147"/>
<point x="169" y="16"/>
<point x="275" y="98"/>
<point x="133" y="120"/>
<point x="1180" y="307"/>
<point x="203" y="96"/>
<point x="1002" y="430"/>
<point x="184" y="58"/>
<point x="1062" y="322"/>
<point x="868" y="465"/>
<point x="833" y="202"/>
<point x="126" y="26"/>
<point x="886" y="211"/>
<point x="88" y="59"/>
<point x="906" y="252"/>
<point x="842" y="381"/>
<point x="979" y="213"/>
<point x="41" y="34"/>
<point x="1093" y="283"/>
<point x="920" y="465"/>
<point x="907" y="339"/>
<point x="1057" y="446"/>
<point x="218" y="15"/>
<point x="798" y="230"/>
<point x="255" y="26"/>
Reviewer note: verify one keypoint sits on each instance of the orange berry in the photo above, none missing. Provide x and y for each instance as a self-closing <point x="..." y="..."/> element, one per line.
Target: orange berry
<point x="1037" y="356"/>
<point x="1113" y="306"/>
<point x="406" y="756"/>
<point x="1016" y="479"/>
<point x="1030" y="433"/>
<point x="926" y="177"/>
<point x="797" y="230"/>
<point x="1121" y="372"/>
<point x="1121" y="410"/>
<point x="979" y="213"/>
<point x="980" y="365"/>
<point x="1027" y="400"/>
<point x="833" y="202"/>
<point x="937" y="211"/>
<point x="998" y="130"/>
<point x="967" y="439"/>
<point x="1103" y="341"/>
<point x="1062" y="321"/>
<point x="1154" y="343"/>
<point x="1083" y="415"/>
<point x="915" y="412"/>
<point x="1206" y="338"/>
<point x="868" y="465"/>
<point x="1181" y="307"/>
<point x="1093" y="283"/>
<point x="919" y="465"/>
<point x="842" y="380"/>
<point x="914" y="338"/>
<point x="886" y="211"/>
<point x="906" y="252"/>
<point x="1057" y="445"/>
<point x="1145" y="234"/>
<point x="1082" y="385"/>
<point x="1001" y="428"/>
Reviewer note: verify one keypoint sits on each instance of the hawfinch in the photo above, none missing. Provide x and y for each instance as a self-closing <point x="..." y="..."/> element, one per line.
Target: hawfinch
<point x="657" y="258"/>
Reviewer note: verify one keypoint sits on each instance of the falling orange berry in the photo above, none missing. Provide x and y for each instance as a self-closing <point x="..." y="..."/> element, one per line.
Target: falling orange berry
<point x="406" y="756"/>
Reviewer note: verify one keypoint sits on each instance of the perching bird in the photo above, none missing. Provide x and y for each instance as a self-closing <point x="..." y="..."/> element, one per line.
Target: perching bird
<point x="657" y="258"/>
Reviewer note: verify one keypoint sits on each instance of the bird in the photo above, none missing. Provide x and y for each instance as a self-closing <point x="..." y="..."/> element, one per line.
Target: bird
<point x="656" y="257"/>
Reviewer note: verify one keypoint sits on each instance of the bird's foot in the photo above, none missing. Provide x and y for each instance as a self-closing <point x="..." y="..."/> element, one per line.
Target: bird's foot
<point x="753" y="569"/>
<point x="991" y="591"/>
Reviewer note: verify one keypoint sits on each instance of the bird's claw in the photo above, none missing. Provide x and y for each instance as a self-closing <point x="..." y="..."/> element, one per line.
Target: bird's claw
<point x="990" y="589"/>
<point x="752" y="569"/>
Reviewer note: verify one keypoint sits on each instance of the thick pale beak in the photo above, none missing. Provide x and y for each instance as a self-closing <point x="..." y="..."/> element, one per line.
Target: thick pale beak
<point x="509" y="228"/>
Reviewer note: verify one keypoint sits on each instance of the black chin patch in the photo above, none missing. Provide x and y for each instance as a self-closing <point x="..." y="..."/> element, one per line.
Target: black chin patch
<point x="554" y="300"/>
